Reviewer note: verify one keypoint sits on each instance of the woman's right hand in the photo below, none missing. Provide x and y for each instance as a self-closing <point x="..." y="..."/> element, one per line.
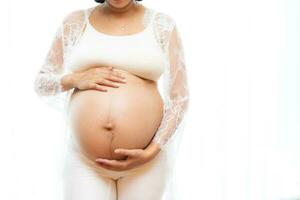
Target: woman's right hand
<point x="97" y="78"/>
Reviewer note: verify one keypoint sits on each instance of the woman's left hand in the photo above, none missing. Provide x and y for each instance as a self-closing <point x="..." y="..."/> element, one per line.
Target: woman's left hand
<point x="135" y="157"/>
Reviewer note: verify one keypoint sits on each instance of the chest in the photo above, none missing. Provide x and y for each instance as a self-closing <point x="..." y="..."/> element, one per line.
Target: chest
<point x="138" y="53"/>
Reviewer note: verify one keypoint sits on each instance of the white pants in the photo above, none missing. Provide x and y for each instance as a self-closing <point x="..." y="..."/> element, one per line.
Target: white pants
<point x="83" y="179"/>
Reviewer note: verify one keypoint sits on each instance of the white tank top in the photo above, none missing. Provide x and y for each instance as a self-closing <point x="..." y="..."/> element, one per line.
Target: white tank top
<point x="139" y="53"/>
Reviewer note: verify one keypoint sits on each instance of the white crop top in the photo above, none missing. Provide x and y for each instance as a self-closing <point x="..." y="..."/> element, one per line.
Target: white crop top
<point x="124" y="52"/>
<point x="156" y="50"/>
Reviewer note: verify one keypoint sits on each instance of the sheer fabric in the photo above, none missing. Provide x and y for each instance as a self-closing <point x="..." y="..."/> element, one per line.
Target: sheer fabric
<point x="47" y="84"/>
<point x="175" y="91"/>
<point x="48" y="80"/>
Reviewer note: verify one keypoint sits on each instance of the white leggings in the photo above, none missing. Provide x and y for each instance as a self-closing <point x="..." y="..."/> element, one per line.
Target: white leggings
<point x="85" y="180"/>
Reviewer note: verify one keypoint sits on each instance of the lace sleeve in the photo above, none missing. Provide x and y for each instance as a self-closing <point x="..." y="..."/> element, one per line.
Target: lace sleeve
<point x="47" y="83"/>
<point x="176" y="91"/>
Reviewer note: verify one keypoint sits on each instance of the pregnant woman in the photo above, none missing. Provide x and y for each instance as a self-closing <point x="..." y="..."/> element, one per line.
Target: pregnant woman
<point x="103" y="71"/>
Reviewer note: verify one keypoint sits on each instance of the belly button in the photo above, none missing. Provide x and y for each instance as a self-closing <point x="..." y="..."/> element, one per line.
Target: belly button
<point x="109" y="126"/>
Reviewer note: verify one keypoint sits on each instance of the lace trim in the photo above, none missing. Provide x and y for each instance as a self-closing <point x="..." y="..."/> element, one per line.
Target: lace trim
<point x="163" y="26"/>
<point x="149" y="14"/>
<point x="175" y="82"/>
<point x="48" y="81"/>
<point x="72" y="27"/>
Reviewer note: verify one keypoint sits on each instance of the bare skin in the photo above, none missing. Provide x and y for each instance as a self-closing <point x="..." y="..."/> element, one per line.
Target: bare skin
<point x="101" y="78"/>
<point x="124" y="117"/>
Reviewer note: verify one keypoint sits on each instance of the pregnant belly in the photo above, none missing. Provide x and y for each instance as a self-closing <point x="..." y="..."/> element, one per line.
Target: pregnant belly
<point x="124" y="117"/>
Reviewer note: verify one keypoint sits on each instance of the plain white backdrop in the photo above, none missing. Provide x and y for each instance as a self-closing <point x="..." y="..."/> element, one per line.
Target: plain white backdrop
<point x="242" y="138"/>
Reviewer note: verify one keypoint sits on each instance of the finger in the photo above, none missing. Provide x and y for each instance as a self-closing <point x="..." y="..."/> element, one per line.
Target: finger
<point x="112" y="168"/>
<point x="113" y="77"/>
<point x="106" y="68"/>
<point x="97" y="87"/>
<point x="118" y="74"/>
<point x="108" y="83"/>
<point x="107" y="166"/>
<point x="109" y="162"/>
<point x="110" y="75"/>
<point x="111" y="70"/>
<point x="126" y="152"/>
<point x="113" y="164"/>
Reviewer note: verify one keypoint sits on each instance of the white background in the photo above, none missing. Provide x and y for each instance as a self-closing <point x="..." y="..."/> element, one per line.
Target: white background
<point x="242" y="138"/>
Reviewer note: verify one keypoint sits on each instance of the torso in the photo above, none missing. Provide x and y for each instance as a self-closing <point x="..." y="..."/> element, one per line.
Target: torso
<point x="124" y="117"/>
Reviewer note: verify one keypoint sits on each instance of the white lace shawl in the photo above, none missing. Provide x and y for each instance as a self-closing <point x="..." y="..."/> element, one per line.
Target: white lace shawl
<point x="48" y="85"/>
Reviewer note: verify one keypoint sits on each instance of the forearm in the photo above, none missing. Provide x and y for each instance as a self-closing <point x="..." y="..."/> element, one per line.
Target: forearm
<point x="153" y="149"/>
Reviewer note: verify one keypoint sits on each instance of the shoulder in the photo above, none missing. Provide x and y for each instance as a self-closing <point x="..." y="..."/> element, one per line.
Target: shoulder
<point x="164" y="20"/>
<point x="74" y="15"/>
<point x="163" y="25"/>
<point x="73" y="25"/>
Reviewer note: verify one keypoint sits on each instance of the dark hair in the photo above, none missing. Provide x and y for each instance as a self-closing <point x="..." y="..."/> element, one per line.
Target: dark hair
<point x="102" y="1"/>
